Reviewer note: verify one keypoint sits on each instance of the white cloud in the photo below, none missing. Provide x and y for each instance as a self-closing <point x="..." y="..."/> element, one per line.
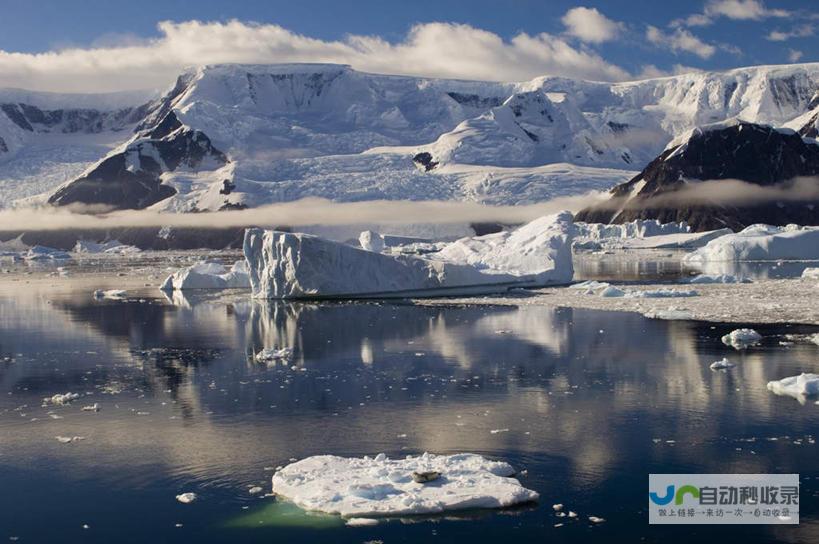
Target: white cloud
<point x="680" y="39"/>
<point x="739" y="10"/>
<point x="742" y="10"/>
<point x="432" y="49"/>
<point x="794" y="55"/>
<point x="802" y="31"/>
<point x="589" y="25"/>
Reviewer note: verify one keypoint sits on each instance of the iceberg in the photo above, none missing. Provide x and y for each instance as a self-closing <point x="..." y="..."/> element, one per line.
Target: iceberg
<point x="379" y="486"/>
<point x="206" y="275"/>
<point x="798" y="387"/>
<point x="716" y="278"/>
<point x="286" y="265"/>
<point x="761" y="243"/>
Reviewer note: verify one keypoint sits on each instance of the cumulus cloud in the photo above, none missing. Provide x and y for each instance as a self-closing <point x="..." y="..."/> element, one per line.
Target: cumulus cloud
<point x="738" y="10"/>
<point x="680" y="39"/>
<point x="801" y="31"/>
<point x="589" y="25"/>
<point x="431" y="49"/>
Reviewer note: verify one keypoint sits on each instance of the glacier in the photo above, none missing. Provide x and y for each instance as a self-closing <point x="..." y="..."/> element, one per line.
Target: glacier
<point x="285" y="265"/>
<point x="289" y="131"/>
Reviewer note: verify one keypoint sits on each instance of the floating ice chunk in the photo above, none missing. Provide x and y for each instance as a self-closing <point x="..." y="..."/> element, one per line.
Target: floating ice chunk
<point x="798" y="387"/>
<point x="661" y="293"/>
<point x="376" y="487"/>
<point x="207" y="275"/>
<point x="761" y="243"/>
<point x="717" y="278"/>
<point x="612" y="292"/>
<point x="69" y="439"/>
<point x="255" y="490"/>
<point x="589" y="285"/>
<point x="557" y="507"/>
<point x="186" y="498"/>
<point x="742" y="338"/>
<point x="110" y="247"/>
<point x="671" y="314"/>
<point x="110" y="293"/>
<point x="91" y="408"/>
<point x="61" y="398"/>
<point x="361" y="522"/>
<point x="42" y="253"/>
<point x="815" y="338"/>
<point x="371" y="241"/>
<point x="595" y="519"/>
<point x="722" y="364"/>
<point x="273" y="354"/>
<point x="288" y="265"/>
<point x="811" y="273"/>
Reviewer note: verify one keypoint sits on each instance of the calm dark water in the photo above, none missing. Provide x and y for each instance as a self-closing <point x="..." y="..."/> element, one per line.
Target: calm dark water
<point x="593" y="402"/>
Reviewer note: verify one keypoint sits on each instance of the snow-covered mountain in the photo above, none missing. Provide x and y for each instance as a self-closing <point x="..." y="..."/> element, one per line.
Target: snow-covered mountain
<point x="769" y="160"/>
<point x="231" y="136"/>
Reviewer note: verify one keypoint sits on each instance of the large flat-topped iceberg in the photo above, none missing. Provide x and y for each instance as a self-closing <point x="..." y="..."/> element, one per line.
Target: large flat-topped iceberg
<point x="380" y="487"/>
<point x="292" y="265"/>
<point x="761" y="243"/>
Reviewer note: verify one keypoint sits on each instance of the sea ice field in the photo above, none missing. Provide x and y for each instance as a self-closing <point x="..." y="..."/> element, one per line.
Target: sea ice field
<point x="149" y="416"/>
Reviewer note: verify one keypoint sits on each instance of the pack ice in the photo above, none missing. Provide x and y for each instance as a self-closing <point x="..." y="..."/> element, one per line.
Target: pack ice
<point x="761" y="243"/>
<point x="379" y="486"/>
<point x="205" y="275"/>
<point x="293" y="265"/>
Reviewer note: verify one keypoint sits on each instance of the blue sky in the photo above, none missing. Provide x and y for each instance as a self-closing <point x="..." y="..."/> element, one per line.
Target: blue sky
<point x="612" y="39"/>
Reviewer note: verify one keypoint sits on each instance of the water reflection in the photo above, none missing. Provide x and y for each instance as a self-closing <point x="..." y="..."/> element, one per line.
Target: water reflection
<point x="582" y="399"/>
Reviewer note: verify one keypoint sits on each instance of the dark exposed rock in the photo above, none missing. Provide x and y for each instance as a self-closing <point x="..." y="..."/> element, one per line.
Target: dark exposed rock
<point x="424" y="160"/>
<point x="131" y="179"/>
<point x="475" y="101"/>
<point x="3" y="147"/>
<point x="70" y="121"/>
<point x="227" y="187"/>
<point x="232" y="206"/>
<point x="756" y="154"/>
<point x="424" y="477"/>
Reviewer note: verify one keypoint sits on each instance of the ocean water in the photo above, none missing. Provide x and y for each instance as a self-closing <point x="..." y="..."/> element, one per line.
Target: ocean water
<point x="588" y="403"/>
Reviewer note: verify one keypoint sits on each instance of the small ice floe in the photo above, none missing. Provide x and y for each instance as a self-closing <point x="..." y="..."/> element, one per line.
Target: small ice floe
<point x="498" y="431"/>
<point x="557" y="507"/>
<point x="724" y="364"/>
<point x="255" y="490"/>
<point x="742" y="338"/>
<point x="42" y="253"/>
<point x="61" y="398"/>
<point x="110" y="293"/>
<point x="91" y="407"/>
<point x="717" y="278"/>
<point x="268" y="355"/>
<point x="799" y="387"/>
<point x="375" y="487"/>
<point x="614" y="292"/>
<point x="671" y="314"/>
<point x="596" y="520"/>
<point x="186" y="498"/>
<point x="811" y="273"/>
<point x="815" y="338"/>
<point x="69" y="439"/>
<point x="361" y="522"/>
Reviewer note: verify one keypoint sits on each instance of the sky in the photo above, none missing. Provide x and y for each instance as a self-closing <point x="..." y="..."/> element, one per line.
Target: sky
<point x="112" y="45"/>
